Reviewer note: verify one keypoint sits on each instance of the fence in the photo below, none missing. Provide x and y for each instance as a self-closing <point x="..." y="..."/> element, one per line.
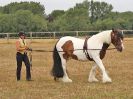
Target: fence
<point x="54" y="35"/>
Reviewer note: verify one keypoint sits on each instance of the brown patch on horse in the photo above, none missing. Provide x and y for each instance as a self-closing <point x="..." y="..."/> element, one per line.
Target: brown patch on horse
<point x="113" y="38"/>
<point x="69" y="49"/>
<point x="103" y="51"/>
<point x="116" y="37"/>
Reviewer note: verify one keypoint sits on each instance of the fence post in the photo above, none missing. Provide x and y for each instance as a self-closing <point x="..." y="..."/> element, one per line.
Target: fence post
<point x="31" y="36"/>
<point x="122" y="32"/>
<point x="54" y="35"/>
<point x="77" y="34"/>
<point x="7" y="35"/>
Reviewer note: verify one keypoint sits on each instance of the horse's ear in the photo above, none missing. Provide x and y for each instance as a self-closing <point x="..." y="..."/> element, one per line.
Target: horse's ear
<point x="113" y="30"/>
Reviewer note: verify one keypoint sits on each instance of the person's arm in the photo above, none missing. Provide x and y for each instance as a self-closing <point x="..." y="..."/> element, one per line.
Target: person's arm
<point x="20" y="48"/>
<point x="28" y="43"/>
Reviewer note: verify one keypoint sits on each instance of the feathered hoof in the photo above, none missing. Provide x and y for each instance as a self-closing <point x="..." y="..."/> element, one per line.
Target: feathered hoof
<point x="66" y="80"/>
<point x="56" y="79"/>
<point x="107" y="80"/>
<point x="93" y="80"/>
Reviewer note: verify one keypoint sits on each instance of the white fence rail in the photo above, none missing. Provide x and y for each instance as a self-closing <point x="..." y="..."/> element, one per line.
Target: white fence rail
<point x="54" y="35"/>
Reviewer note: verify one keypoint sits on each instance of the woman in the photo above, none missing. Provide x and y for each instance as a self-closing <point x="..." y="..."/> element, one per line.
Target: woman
<point x="21" y="56"/>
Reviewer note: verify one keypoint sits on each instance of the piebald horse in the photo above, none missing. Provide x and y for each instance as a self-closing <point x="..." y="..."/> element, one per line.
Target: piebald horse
<point x="93" y="49"/>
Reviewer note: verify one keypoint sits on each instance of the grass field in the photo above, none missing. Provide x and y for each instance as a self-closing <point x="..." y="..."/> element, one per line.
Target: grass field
<point x="118" y="65"/>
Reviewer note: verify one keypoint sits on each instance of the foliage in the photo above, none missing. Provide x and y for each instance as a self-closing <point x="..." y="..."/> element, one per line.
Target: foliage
<point x="30" y="16"/>
<point x="57" y="13"/>
<point x="22" y="20"/>
<point x="34" y="7"/>
<point x="99" y="10"/>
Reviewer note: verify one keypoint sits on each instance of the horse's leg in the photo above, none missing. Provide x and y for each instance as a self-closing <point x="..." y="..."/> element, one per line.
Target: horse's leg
<point x="92" y="77"/>
<point x="101" y="66"/>
<point x="65" y="77"/>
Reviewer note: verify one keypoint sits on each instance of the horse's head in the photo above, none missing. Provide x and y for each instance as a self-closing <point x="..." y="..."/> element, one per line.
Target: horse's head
<point x="117" y="39"/>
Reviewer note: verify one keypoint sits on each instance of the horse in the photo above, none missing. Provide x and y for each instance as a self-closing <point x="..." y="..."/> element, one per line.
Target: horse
<point x="93" y="49"/>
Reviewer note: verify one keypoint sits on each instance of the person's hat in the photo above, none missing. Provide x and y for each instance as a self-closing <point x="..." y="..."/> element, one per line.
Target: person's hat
<point x="21" y="34"/>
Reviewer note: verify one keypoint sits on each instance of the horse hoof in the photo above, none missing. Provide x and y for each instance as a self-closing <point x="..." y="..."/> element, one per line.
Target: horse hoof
<point x="93" y="80"/>
<point x="66" y="80"/>
<point x="56" y="79"/>
<point x="107" y="81"/>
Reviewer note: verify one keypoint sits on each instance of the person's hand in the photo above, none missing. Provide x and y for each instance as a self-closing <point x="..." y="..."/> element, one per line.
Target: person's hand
<point x="26" y="48"/>
<point x="29" y="49"/>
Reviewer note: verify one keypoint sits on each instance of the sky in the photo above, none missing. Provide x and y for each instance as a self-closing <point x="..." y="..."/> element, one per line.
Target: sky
<point x="50" y="5"/>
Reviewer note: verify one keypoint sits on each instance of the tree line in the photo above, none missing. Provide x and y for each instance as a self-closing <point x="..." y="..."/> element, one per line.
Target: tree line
<point x="31" y="17"/>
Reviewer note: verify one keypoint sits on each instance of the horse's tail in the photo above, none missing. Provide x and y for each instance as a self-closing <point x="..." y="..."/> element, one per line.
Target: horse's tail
<point x="57" y="70"/>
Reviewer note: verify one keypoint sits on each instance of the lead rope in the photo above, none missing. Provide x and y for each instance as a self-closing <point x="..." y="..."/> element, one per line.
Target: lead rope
<point x="85" y="51"/>
<point x="36" y="50"/>
<point x="30" y="55"/>
<point x="30" y="59"/>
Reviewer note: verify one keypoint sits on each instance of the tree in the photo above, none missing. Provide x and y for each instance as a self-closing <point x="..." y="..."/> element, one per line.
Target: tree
<point x="53" y="16"/>
<point x="74" y="19"/>
<point x="38" y="24"/>
<point x="23" y="20"/>
<point x="27" y="21"/>
<point x="30" y="16"/>
<point x="99" y="10"/>
<point x="7" y="23"/>
<point x="34" y="7"/>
